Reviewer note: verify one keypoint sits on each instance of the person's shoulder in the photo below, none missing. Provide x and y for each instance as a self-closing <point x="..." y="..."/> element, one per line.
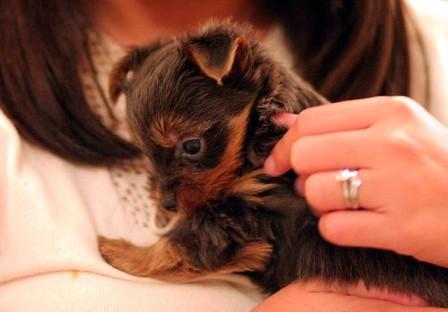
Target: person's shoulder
<point x="431" y="21"/>
<point x="433" y="13"/>
<point x="10" y="145"/>
<point x="7" y="128"/>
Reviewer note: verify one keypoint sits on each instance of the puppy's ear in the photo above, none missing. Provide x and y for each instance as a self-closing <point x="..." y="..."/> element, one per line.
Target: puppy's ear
<point x="123" y="72"/>
<point x="217" y="55"/>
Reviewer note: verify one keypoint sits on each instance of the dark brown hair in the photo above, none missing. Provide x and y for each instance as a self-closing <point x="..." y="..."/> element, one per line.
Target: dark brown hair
<point x="346" y="48"/>
<point x="221" y="90"/>
<point x="42" y="44"/>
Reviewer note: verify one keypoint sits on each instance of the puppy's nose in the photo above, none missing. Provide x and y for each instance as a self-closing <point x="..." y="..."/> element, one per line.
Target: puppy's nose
<point x="169" y="202"/>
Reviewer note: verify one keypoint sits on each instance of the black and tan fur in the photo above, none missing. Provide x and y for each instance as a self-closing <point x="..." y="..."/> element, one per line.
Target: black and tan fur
<point x="219" y="85"/>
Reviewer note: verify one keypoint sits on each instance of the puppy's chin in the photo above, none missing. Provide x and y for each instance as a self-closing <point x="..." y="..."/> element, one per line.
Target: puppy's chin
<point x="162" y="221"/>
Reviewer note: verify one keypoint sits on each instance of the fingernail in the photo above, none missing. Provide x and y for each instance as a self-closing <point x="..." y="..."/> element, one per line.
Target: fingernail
<point x="270" y="166"/>
<point x="279" y="116"/>
<point x="285" y="119"/>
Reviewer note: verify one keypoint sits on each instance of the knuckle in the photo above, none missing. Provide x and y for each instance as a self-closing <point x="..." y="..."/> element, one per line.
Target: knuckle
<point x="398" y="142"/>
<point x="403" y="106"/>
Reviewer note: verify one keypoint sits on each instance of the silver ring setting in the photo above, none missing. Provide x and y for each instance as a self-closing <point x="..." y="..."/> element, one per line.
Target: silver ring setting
<point x="350" y="185"/>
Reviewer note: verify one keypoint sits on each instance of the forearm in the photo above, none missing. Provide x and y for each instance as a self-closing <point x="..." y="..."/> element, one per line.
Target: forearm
<point x="315" y="297"/>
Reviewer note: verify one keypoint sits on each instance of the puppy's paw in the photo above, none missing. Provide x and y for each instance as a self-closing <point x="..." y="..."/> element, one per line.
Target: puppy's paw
<point x="113" y="251"/>
<point x="156" y="261"/>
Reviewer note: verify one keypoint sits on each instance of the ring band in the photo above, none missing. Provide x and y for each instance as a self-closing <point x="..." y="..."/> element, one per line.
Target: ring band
<point x="350" y="186"/>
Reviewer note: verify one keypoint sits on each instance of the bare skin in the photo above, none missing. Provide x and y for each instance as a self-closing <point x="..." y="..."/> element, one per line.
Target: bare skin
<point x="316" y="297"/>
<point x="402" y="155"/>
<point x="136" y="22"/>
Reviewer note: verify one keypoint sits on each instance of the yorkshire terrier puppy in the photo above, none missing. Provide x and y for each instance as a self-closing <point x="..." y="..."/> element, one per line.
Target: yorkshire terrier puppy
<point x="201" y="109"/>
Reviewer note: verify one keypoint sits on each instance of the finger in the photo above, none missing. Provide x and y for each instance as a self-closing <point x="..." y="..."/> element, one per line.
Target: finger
<point x="342" y="116"/>
<point x="324" y="193"/>
<point x="356" y="228"/>
<point x="327" y="152"/>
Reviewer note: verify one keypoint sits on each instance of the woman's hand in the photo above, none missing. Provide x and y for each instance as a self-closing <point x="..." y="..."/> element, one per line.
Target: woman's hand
<point x="317" y="297"/>
<point x="402" y="155"/>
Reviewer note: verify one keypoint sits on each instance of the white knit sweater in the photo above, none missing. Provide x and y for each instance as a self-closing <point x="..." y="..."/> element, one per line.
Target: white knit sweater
<point x="52" y="210"/>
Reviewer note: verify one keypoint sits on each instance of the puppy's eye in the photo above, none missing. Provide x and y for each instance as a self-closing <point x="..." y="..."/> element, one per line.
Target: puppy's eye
<point x="192" y="146"/>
